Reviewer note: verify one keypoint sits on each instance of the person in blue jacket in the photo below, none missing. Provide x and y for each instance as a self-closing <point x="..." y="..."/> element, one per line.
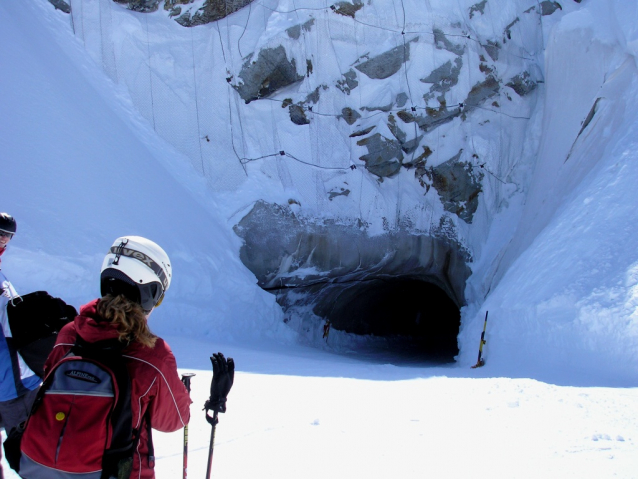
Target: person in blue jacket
<point x="18" y="384"/>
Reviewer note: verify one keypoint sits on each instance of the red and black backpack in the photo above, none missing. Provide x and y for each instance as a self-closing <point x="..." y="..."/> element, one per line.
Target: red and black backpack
<point x="81" y="422"/>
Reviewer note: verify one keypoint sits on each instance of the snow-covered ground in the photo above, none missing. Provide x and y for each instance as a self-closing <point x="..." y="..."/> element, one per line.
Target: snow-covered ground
<point x="299" y="413"/>
<point x="296" y="412"/>
<point x="557" y="397"/>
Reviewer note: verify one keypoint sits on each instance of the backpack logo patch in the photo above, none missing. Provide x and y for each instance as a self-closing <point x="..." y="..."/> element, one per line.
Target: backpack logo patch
<point x="83" y="376"/>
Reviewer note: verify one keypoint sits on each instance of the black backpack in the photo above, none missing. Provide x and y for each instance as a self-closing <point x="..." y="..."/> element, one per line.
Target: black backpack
<point x="35" y="320"/>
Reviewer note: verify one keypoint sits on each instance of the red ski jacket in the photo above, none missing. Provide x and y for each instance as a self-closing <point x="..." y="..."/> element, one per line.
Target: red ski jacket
<point x="155" y="382"/>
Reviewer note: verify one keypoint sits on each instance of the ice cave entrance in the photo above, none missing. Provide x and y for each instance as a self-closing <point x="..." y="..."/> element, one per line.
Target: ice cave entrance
<point x="417" y="319"/>
<point x="395" y="319"/>
<point x="394" y="297"/>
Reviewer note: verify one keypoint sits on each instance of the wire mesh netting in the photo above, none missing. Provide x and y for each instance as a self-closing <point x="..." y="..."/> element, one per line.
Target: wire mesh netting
<point x="416" y="77"/>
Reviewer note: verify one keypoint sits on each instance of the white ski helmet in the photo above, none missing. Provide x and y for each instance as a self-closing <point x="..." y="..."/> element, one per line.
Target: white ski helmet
<point x="137" y="268"/>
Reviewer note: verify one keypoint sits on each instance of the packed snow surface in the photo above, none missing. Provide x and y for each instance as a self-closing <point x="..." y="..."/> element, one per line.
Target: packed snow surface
<point x="557" y="396"/>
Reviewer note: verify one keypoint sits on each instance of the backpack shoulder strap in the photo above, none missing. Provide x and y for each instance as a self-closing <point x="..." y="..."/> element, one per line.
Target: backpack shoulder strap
<point x="118" y="459"/>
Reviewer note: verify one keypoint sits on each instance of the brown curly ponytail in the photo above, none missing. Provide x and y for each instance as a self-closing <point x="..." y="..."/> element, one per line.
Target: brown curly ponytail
<point x="129" y="318"/>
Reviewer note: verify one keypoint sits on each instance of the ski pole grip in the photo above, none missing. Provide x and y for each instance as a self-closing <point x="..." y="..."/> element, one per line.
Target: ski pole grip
<point x="186" y="379"/>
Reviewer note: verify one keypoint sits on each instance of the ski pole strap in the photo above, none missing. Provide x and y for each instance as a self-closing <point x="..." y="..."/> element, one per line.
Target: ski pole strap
<point x="212" y="420"/>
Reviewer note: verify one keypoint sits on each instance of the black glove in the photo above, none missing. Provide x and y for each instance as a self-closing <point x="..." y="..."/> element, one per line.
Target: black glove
<point x="223" y="376"/>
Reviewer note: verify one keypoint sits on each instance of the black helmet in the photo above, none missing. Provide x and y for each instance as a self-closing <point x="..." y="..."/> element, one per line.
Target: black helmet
<point x="7" y="224"/>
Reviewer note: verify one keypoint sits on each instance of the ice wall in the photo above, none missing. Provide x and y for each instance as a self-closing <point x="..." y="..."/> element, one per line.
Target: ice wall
<point x="564" y="291"/>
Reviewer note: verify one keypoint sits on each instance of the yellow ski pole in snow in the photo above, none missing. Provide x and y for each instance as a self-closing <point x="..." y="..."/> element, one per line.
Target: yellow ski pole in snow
<point x="480" y="361"/>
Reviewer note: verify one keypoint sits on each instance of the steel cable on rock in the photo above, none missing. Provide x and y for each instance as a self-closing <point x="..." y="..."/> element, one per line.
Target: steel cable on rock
<point x="150" y="72"/>
<point x="231" y="95"/>
<point x="310" y="111"/>
<point x="199" y="130"/>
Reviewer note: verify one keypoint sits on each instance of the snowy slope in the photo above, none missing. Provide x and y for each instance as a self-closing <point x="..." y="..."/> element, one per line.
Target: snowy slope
<point x="80" y="168"/>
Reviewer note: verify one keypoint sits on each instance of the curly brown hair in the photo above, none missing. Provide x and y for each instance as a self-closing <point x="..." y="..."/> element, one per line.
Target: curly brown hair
<point x="129" y="317"/>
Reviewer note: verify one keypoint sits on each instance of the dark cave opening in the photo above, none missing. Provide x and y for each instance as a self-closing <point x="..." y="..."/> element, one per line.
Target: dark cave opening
<point x="417" y="317"/>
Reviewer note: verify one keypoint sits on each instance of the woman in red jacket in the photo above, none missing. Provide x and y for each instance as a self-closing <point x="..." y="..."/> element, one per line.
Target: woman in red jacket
<point x="135" y="276"/>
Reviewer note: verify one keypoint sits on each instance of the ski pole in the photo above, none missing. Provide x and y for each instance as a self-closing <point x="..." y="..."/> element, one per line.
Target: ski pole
<point x="186" y="379"/>
<point x="213" y="422"/>
<point x="480" y="361"/>
<point x="223" y="377"/>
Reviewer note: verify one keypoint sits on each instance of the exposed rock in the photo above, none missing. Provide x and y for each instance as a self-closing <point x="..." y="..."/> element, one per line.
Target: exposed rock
<point x="61" y="5"/>
<point x="548" y="7"/>
<point x="485" y="68"/>
<point x="586" y="122"/>
<point x="398" y="133"/>
<point x="271" y="72"/>
<point x="522" y="84"/>
<point x="297" y="111"/>
<point x="407" y="146"/>
<point x="384" y="155"/>
<point x="507" y="32"/>
<point x="169" y="4"/>
<point x="349" y="115"/>
<point x="347" y="9"/>
<point x="481" y="92"/>
<point x="406" y="116"/>
<point x="174" y="7"/>
<point x="478" y="7"/>
<point x="420" y="168"/>
<point x="590" y="116"/>
<point x="410" y="146"/>
<point x="436" y="118"/>
<point x="444" y="77"/>
<point x="401" y="99"/>
<point x="384" y="108"/>
<point x="386" y="64"/>
<point x="287" y="251"/>
<point x="294" y="32"/>
<point x="298" y="115"/>
<point x="307" y="25"/>
<point x="349" y="82"/>
<point x="492" y="49"/>
<point x="144" y="6"/>
<point x="211" y="11"/>
<point x="313" y="97"/>
<point x="361" y="132"/>
<point x="332" y="194"/>
<point x="458" y="186"/>
<point x="442" y="43"/>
